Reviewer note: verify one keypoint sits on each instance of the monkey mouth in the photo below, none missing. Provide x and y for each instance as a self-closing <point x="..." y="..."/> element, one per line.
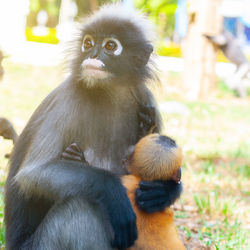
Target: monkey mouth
<point x="94" y="68"/>
<point x="95" y="73"/>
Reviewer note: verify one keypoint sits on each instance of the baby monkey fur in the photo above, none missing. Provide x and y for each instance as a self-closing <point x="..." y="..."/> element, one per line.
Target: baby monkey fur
<point x="155" y="157"/>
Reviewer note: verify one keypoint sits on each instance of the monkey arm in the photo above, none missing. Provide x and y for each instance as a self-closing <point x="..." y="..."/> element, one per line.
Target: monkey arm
<point x="147" y="120"/>
<point x="7" y="130"/>
<point x="153" y="196"/>
<point x="61" y="179"/>
<point x="149" y="117"/>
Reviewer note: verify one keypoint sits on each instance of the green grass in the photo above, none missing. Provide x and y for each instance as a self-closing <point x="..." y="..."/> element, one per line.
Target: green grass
<point x="215" y="142"/>
<point x="232" y="238"/>
<point x="2" y="231"/>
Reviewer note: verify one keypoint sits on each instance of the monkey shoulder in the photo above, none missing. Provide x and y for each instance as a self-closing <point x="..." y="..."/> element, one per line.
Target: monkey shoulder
<point x="41" y="129"/>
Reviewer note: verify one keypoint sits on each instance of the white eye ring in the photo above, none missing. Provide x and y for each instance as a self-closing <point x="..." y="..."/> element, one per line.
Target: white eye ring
<point x="84" y="39"/>
<point x="119" y="47"/>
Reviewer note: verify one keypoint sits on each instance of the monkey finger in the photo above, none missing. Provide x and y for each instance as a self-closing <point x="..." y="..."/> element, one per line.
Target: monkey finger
<point x="120" y="240"/>
<point x="155" y="129"/>
<point x="133" y="233"/>
<point x="75" y="150"/>
<point x="75" y="147"/>
<point x="145" y="118"/>
<point x="149" y="185"/>
<point x="72" y="150"/>
<point x="71" y="157"/>
<point x="149" y="195"/>
<point x="151" y="207"/>
<point x="125" y="234"/>
<point x="156" y="201"/>
<point x="69" y="152"/>
<point x="150" y="111"/>
<point x="116" y="243"/>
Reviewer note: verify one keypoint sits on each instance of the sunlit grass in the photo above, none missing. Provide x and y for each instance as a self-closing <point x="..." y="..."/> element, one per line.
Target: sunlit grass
<point x="2" y="231"/>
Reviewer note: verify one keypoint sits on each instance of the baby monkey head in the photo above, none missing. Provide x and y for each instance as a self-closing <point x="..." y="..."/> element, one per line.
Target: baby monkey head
<point x="114" y="47"/>
<point x="156" y="157"/>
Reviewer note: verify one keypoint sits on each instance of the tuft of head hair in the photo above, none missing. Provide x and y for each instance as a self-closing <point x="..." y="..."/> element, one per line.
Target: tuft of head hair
<point x="117" y="12"/>
<point x="156" y="157"/>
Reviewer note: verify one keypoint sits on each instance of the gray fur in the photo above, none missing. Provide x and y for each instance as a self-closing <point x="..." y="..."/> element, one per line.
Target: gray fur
<point x="68" y="220"/>
<point x="103" y="121"/>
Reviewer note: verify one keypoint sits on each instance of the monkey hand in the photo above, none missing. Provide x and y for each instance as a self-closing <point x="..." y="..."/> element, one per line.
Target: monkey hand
<point x="74" y="153"/>
<point x="154" y="196"/>
<point x="120" y="212"/>
<point x="123" y="221"/>
<point x="147" y="120"/>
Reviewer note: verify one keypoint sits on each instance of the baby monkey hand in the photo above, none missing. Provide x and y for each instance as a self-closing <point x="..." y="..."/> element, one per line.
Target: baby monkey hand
<point x="74" y="153"/>
<point x="154" y="196"/>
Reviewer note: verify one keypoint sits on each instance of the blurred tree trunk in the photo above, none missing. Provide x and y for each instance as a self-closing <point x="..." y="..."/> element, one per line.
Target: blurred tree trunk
<point x="63" y="13"/>
<point x="199" y="54"/>
<point x="93" y="5"/>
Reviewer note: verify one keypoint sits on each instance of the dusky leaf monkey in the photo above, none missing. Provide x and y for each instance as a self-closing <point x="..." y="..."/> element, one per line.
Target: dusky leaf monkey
<point x="154" y="157"/>
<point x="232" y="50"/>
<point x="51" y="203"/>
<point x="7" y="130"/>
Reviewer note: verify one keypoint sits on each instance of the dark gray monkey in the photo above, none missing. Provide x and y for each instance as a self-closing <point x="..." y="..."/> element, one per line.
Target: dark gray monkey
<point x="7" y="131"/>
<point x="227" y="43"/>
<point x="52" y="203"/>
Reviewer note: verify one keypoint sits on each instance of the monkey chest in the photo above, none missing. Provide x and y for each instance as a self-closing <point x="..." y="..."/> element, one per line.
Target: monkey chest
<point x="105" y="136"/>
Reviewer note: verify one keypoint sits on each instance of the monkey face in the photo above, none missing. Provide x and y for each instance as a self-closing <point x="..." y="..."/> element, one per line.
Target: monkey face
<point x="113" y="51"/>
<point x="97" y="53"/>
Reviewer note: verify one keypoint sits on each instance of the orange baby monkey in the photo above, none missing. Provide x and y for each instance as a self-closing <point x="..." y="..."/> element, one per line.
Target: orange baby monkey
<point x="154" y="157"/>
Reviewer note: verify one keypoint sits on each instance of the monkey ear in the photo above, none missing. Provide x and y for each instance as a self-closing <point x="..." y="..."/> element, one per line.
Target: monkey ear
<point x="143" y="55"/>
<point x="130" y="150"/>
<point x="128" y="155"/>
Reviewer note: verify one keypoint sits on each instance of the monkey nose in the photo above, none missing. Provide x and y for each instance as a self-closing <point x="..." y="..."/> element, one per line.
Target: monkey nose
<point x="177" y="176"/>
<point x="92" y="64"/>
<point x="94" y="53"/>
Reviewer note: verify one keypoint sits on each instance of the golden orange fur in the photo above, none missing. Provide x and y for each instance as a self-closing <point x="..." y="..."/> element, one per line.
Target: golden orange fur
<point x="149" y="162"/>
<point x="152" y="161"/>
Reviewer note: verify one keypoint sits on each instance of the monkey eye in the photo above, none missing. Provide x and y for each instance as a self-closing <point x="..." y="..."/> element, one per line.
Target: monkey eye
<point x="88" y="42"/>
<point x="112" y="46"/>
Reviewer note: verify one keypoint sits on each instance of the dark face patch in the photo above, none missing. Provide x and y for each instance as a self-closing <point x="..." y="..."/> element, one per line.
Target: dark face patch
<point x="130" y="63"/>
<point x="166" y="142"/>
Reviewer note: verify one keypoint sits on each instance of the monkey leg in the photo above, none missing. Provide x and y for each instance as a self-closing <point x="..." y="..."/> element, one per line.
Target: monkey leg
<point x="74" y="224"/>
